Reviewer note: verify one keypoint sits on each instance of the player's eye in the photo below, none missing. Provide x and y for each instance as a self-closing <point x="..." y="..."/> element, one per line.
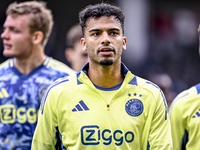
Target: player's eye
<point x="114" y="33"/>
<point x="95" y="34"/>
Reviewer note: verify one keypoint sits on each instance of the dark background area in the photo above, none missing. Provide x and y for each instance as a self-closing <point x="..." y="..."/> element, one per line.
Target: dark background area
<point x="174" y="39"/>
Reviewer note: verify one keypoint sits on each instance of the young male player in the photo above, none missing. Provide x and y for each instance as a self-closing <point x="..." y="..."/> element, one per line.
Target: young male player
<point x="105" y="106"/>
<point x="26" y="75"/>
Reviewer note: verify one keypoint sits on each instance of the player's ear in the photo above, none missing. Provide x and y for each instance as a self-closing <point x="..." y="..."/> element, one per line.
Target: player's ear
<point x="68" y="54"/>
<point x="83" y="44"/>
<point x="124" y="43"/>
<point x="37" y="37"/>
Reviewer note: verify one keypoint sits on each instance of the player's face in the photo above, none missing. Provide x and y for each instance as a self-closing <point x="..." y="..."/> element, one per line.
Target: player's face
<point x="104" y="40"/>
<point x="16" y="37"/>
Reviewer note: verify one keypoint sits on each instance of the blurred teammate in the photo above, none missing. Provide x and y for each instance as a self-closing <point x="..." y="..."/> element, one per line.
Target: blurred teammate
<point x="104" y="106"/>
<point x="185" y="119"/>
<point x="74" y="52"/>
<point x="26" y="75"/>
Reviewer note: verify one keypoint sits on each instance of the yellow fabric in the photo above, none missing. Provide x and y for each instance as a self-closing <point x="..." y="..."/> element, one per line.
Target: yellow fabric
<point x="185" y="119"/>
<point x="101" y="127"/>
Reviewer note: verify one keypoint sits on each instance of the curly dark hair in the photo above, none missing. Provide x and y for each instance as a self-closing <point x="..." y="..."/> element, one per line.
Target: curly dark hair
<point x="98" y="10"/>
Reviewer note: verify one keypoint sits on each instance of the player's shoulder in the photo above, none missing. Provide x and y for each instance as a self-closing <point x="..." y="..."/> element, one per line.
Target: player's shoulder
<point x="187" y="96"/>
<point x="4" y="64"/>
<point x="5" y="68"/>
<point x="58" y="65"/>
<point x="147" y="85"/>
<point x="65" y="83"/>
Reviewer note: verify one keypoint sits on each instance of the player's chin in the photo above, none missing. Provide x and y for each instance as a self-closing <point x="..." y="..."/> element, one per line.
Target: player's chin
<point x="7" y="53"/>
<point x="106" y="62"/>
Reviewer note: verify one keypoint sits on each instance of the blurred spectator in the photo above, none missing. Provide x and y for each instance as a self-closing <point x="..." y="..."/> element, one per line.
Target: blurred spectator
<point x="74" y="53"/>
<point x="165" y="83"/>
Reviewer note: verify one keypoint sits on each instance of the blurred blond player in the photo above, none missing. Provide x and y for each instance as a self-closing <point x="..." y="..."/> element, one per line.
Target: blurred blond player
<point x="74" y="53"/>
<point x="185" y="119"/>
<point x="26" y="75"/>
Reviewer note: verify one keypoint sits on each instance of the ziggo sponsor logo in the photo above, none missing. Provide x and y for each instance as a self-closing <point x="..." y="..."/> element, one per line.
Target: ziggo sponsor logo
<point x="9" y="114"/>
<point x="91" y="135"/>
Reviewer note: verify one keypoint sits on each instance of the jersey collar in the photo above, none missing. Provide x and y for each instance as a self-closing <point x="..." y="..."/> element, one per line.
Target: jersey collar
<point x="123" y="68"/>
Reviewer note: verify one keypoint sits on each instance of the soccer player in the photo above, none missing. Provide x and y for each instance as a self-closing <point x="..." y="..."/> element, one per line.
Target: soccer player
<point x="104" y="106"/>
<point x="26" y="75"/>
<point x="74" y="52"/>
<point x="185" y="118"/>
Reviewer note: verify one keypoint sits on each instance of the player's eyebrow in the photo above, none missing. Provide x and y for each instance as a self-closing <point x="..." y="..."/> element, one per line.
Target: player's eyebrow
<point x="92" y="30"/>
<point x="115" y="29"/>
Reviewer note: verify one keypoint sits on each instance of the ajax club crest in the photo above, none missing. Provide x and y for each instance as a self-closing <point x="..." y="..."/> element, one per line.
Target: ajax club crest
<point x="134" y="107"/>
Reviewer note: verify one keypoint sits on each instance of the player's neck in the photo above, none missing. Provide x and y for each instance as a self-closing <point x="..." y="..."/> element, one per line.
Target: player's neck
<point x="27" y="64"/>
<point x="105" y="76"/>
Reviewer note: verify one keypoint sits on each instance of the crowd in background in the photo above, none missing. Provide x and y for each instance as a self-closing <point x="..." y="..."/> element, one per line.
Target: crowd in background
<point x="173" y="48"/>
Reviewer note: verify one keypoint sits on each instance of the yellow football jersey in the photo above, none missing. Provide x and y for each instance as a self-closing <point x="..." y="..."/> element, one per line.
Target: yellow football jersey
<point x="185" y="119"/>
<point x="135" y="116"/>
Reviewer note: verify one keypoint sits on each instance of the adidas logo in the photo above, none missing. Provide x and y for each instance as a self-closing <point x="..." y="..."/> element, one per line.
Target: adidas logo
<point x="197" y="114"/>
<point x="81" y="106"/>
<point x="4" y="93"/>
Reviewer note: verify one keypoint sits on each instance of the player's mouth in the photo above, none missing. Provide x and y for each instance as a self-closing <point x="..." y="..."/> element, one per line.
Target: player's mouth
<point x="106" y="50"/>
<point x="7" y="46"/>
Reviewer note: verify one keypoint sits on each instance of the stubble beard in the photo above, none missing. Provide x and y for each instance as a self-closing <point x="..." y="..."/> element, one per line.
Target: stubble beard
<point x="106" y="62"/>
